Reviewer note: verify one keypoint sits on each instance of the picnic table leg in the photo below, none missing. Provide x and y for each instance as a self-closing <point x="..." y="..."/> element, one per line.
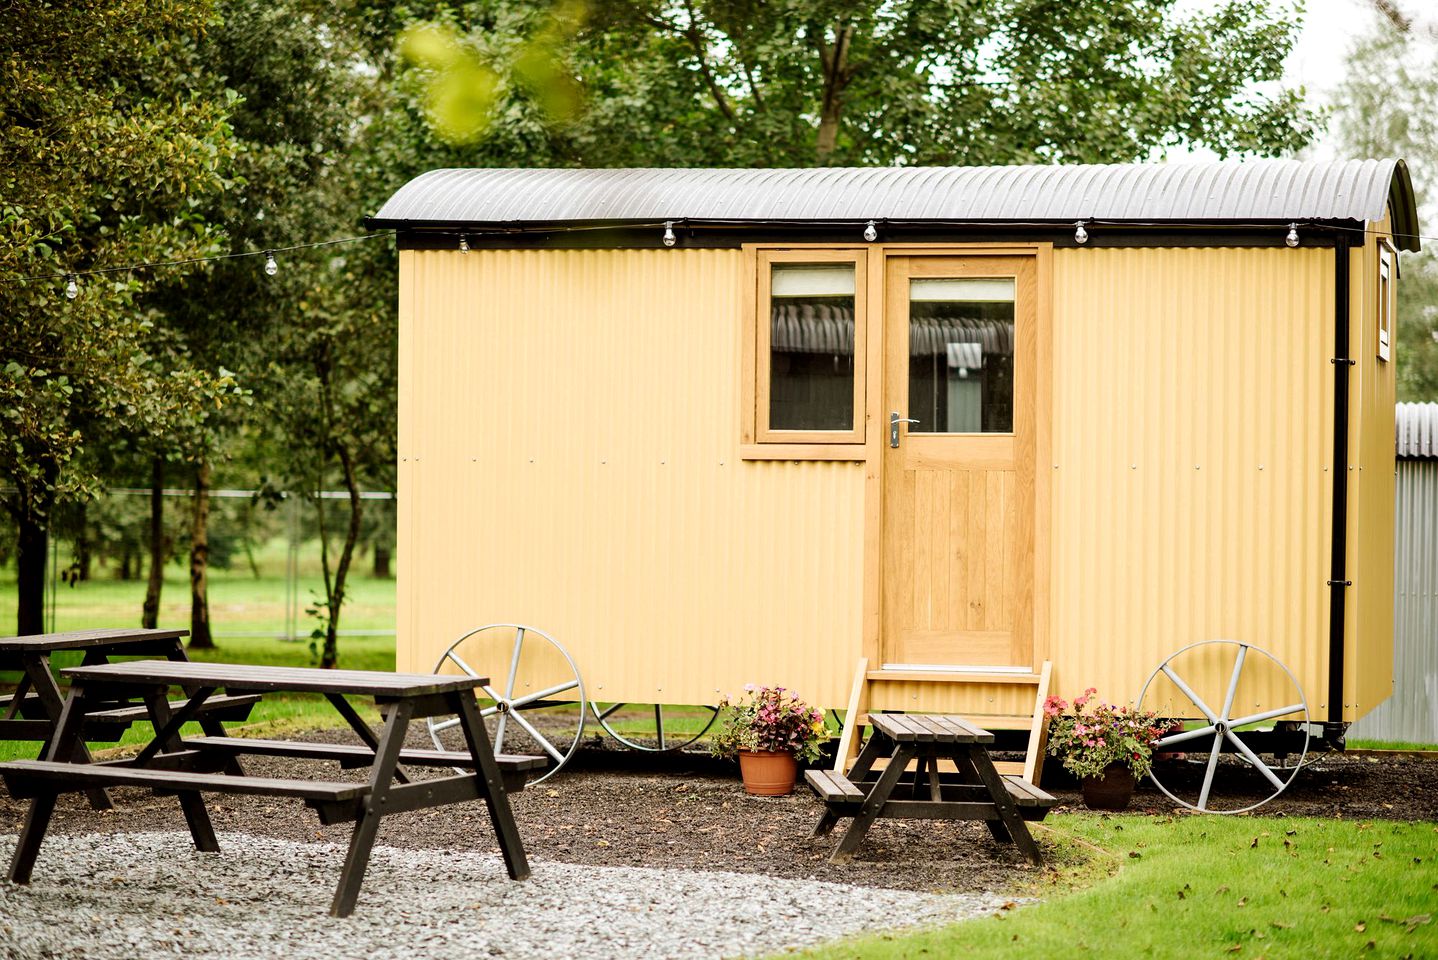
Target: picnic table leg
<point x="500" y="813"/>
<point x="873" y="803"/>
<point x="202" y="832"/>
<point x="211" y="726"/>
<point x="37" y="818"/>
<point x="382" y="776"/>
<point x="357" y="724"/>
<point x="37" y="668"/>
<point x="1008" y="810"/>
<point x="862" y="765"/>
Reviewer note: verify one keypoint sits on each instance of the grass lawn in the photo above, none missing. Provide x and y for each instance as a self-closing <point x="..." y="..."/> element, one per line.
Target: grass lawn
<point x="1390" y="745"/>
<point x="1207" y="886"/>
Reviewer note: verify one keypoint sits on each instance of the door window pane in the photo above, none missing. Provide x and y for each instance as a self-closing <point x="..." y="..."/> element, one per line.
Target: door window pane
<point x="811" y="347"/>
<point x="961" y="355"/>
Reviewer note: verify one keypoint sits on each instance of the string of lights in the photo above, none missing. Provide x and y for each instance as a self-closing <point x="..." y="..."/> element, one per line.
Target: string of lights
<point x="271" y="265"/>
<point x="870" y="233"/>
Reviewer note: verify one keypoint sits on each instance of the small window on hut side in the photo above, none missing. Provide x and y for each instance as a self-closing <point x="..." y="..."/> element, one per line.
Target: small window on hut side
<point x="1385" y="300"/>
<point x="809" y="347"/>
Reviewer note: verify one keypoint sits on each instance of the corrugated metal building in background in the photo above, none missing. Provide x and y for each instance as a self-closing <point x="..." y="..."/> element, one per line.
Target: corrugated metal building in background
<point x="1411" y="714"/>
<point x="618" y="422"/>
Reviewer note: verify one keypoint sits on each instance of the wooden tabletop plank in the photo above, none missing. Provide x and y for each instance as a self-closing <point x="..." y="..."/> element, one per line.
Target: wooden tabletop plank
<point x="84" y="639"/>
<point x="265" y="679"/>
<point x="966" y="732"/>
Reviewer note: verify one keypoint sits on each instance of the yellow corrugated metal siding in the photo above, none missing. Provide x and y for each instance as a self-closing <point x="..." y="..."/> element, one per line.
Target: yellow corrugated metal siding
<point x="1368" y="655"/>
<point x="569" y="459"/>
<point x="1191" y="465"/>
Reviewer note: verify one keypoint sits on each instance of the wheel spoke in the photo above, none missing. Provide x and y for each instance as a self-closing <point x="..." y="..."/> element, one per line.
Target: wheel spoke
<point x="460" y="663"/>
<point x="1266" y="715"/>
<point x="514" y="660"/>
<point x="659" y="724"/>
<point x="529" y="698"/>
<point x="1185" y="736"/>
<point x="1208" y="774"/>
<point x="1188" y="692"/>
<point x="607" y="713"/>
<point x="489" y="711"/>
<point x="544" y="744"/>
<point x="1252" y="758"/>
<point x="445" y="724"/>
<point x="1233" y="680"/>
<point x="490" y="692"/>
<point x="499" y="731"/>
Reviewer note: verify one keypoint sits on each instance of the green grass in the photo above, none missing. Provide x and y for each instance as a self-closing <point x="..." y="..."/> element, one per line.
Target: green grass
<point x="1389" y="745"/>
<point x="1206" y="886"/>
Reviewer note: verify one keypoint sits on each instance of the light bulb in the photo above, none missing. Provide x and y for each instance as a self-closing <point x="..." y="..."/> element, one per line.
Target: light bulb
<point x="871" y="232"/>
<point x="270" y="266"/>
<point x="1080" y="234"/>
<point x="669" y="238"/>
<point x="72" y="287"/>
<point x="463" y="243"/>
<point x="1292" y="238"/>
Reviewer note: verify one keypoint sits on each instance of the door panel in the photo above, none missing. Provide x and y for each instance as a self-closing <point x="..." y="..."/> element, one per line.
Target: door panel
<point x="958" y="508"/>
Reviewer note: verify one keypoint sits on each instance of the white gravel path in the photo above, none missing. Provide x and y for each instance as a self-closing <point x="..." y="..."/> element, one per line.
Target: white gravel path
<point x="141" y="895"/>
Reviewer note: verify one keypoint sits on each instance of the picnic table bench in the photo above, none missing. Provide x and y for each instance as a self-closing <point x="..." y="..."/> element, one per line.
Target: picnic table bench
<point x="189" y="767"/>
<point x="33" y="710"/>
<point x="973" y="791"/>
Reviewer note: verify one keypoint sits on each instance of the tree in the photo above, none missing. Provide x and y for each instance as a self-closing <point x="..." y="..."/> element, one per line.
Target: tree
<point x="807" y="82"/>
<point x="1387" y="105"/>
<point x="109" y="137"/>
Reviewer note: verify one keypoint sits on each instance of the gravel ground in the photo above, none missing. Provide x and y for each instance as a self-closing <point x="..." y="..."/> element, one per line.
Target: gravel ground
<point x="740" y="874"/>
<point x="119" y="896"/>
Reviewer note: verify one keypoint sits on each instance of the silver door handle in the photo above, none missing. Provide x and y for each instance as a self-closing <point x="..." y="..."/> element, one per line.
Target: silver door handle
<point x="894" y="421"/>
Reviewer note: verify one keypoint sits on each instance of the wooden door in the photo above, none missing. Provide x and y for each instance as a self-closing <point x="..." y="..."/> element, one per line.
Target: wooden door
<point x="958" y="522"/>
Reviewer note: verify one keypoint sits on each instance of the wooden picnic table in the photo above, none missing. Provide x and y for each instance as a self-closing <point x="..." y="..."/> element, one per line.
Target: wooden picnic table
<point x="33" y="710"/>
<point x="973" y="790"/>
<point x="191" y="766"/>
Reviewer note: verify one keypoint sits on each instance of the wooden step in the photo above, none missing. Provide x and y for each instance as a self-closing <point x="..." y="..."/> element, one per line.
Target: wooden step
<point x="952" y="676"/>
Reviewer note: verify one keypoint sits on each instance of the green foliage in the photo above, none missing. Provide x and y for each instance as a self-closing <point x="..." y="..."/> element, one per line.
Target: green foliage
<point x="768" y="718"/>
<point x="801" y="82"/>
<point x="112" y="136"/>
<point x="1098" y="734"/>
<point x="1387" y="106"/>
<point x="1205" y="886"/>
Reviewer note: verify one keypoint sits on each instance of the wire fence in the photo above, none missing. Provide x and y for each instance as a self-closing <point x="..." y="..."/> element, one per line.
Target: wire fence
<point x="293" y="528"/>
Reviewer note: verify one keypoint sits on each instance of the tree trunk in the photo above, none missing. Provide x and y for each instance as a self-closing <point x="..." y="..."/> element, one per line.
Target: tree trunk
<point x="82" y="545"/>
<point x="330" y="656"/>
<point x="200" y="636"/>
<point x="837" y="74"/>
<point x="150" y="613"/>
<point x="382" y="557"/>
<point x="30" y="560"/>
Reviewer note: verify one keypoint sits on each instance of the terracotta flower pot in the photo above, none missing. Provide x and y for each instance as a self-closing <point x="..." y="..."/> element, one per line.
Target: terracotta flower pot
<point x="768" y="773"/>
<point x="1110" y="790"/>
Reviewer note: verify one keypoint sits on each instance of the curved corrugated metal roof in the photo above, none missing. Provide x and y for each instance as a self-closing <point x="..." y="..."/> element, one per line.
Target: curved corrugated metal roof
<point x="1251" y="190"/>
<point x="1417" y="428"/>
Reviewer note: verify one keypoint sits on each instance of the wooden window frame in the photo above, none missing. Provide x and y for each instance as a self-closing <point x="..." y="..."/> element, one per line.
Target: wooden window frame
<point x="1387" y="297"/>
<point x="759" y="441"/>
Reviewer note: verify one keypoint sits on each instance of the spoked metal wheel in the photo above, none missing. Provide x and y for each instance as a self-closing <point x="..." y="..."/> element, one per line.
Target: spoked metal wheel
<point x="538" y="705"/>
<point x="1188" y="681"/>
<point x="654" y="727"/>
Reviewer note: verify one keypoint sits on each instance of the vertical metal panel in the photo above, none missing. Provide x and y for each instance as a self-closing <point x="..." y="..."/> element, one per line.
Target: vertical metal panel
<point x="1411" y="713"/>
<point x="1191" y="483"/>
<point x="569" y="444"/>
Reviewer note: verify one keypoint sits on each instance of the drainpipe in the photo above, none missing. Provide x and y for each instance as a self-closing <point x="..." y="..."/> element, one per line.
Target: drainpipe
<point x="1338" y="582"/>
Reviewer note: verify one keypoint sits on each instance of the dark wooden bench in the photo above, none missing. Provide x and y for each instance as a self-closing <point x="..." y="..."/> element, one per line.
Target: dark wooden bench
<point x="191" y="767"/>
<point x="974" y="790"/>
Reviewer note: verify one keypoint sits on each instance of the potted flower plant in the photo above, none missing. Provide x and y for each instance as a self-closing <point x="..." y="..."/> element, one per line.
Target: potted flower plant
<point x="1106" y="746"/>
<point x="769" y="729"/>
